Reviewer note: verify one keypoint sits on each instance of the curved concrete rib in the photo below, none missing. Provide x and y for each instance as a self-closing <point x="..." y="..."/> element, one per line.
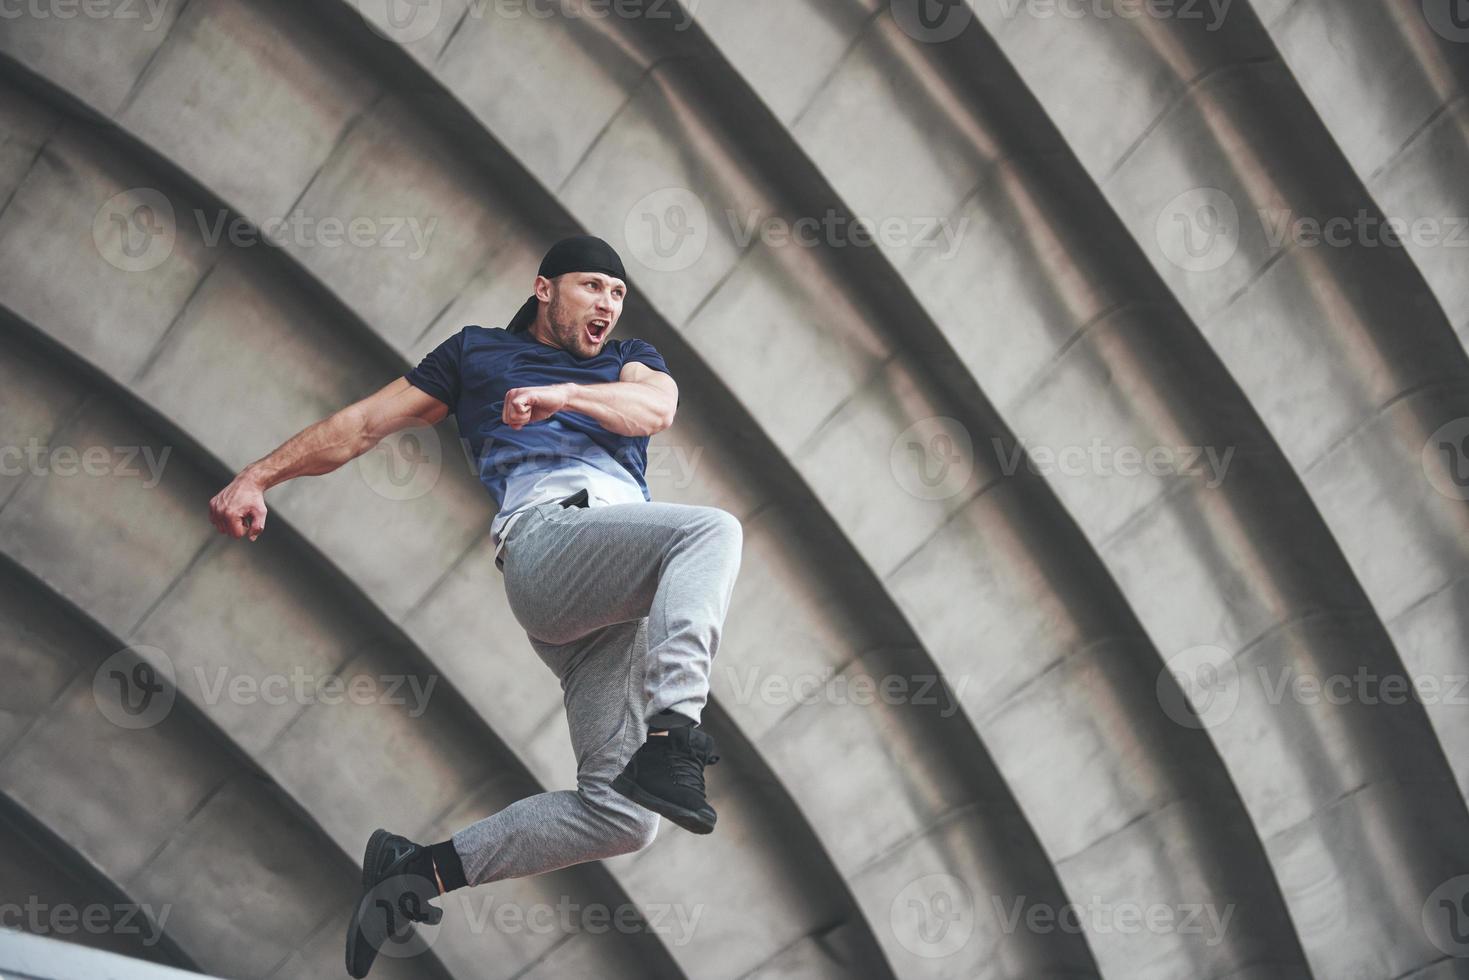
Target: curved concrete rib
<point x="1193" y="118"/>
<point x="51" y="890"/>
<point x="876" y="104"/>
<point x="1390" y="81"/>
<point x="1012" y="832"/>
<point x="440" y="614"/>
<point x="208" y="839"/>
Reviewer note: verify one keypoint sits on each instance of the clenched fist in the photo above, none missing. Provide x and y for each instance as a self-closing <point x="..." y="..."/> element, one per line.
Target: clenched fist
<point x="526" y="405"/>
<point x="239" y="509"/>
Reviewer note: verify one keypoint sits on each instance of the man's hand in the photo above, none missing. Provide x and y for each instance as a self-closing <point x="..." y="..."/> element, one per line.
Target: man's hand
<point x="239" y="508"/>
<point x="526" y="405"/>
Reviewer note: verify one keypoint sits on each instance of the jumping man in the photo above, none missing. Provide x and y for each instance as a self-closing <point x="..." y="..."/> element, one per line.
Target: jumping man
<point x="622" y="598"/>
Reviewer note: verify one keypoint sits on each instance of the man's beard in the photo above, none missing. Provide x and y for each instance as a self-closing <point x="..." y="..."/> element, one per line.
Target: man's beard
<point x="567" y="334"/>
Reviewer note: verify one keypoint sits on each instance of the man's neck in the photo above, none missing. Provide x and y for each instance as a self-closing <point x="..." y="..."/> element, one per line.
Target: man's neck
<point x="541" y="334"/>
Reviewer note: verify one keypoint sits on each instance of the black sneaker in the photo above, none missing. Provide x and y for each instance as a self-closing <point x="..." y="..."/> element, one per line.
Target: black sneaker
<point x="666" y="775"/>
<point x="395" y="893"/>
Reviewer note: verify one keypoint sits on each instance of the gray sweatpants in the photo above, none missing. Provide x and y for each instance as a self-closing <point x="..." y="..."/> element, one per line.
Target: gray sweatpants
<point x="625" y="604"/>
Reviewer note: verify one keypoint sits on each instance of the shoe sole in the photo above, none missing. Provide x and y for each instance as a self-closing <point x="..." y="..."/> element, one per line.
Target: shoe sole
<point x="369" y="861"/>
<point x="694" y="821"/>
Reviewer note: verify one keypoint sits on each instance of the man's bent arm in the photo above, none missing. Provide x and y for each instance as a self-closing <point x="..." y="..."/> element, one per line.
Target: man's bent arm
<point x="320" y="448"/>
<point x="628" y="408"/>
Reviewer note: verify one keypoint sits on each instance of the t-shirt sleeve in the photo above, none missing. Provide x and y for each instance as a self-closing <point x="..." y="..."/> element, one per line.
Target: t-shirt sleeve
<point x="645" y="353"/>
<point x="438" y="372"/>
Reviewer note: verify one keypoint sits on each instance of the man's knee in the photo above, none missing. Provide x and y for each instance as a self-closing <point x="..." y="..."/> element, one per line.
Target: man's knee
<point x="641" y="832"/>
<point x="720" y="525"/>
<point x="630" y="831"/>
<point x="627" y="827"/>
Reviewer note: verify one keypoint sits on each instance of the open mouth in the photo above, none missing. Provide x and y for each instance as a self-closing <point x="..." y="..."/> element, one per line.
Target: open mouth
<point x="597" y="329"/>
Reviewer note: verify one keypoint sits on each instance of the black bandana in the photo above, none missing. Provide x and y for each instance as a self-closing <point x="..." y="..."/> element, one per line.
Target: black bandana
<point x="583" y="253"/>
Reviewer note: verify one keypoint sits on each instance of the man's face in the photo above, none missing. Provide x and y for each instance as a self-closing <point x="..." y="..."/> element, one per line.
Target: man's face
<point x="583" y="309"/>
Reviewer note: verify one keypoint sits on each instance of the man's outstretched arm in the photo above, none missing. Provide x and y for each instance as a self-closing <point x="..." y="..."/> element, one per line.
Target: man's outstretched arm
<point x="641" y="402"/>
<point x="239" y="508"/>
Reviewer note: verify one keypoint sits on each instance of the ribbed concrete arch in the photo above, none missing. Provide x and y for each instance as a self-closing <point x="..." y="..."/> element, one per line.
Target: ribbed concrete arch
<point x="1349" y="390"/>
<point x="994" y="313"/>
<point x="1390" y="81"/>
<point x="207" y="832"/>
<point x="820" y="908"/>
<point x="220" y="615"/>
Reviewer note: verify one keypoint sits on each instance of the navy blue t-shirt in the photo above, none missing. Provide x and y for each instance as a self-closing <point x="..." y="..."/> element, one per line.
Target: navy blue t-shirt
<point x="471" y="372"/>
